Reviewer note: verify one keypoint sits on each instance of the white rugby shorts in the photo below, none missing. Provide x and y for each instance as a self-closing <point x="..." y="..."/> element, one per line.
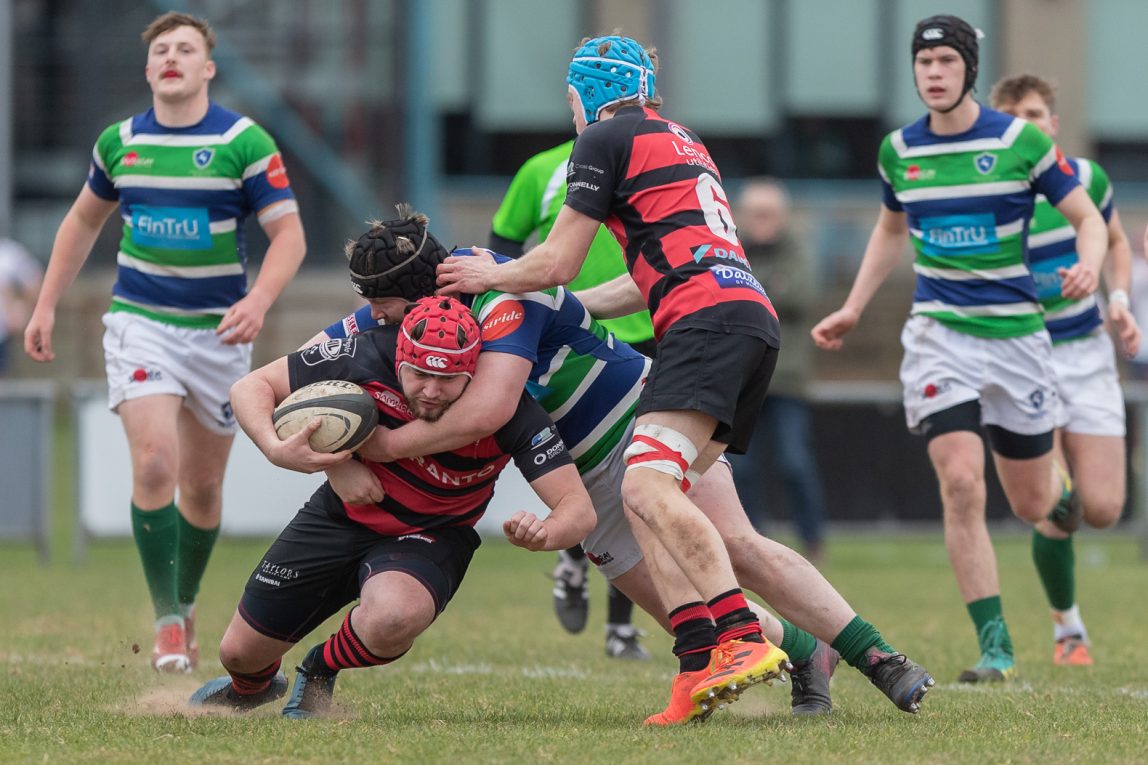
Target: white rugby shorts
<point x="1011" y="377"/>
<point x="144" y="357"/>
<point x="1091" y="401"/>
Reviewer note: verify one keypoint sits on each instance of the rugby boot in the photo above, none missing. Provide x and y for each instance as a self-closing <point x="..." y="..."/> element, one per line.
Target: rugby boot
<point x="313" y="689"/>
<point x="996" y="664"/>
<point x="1068" y="513"/>
<point x="904" y="682"/>
<point x="571" y="592"/>
<point x="682" y="709"/>
<point x="809" y="694"/>
<point x="622" y="643"/>
<point x="170" y="651"/>
<point x="734" y="666"/>
<point x="1072" y="651"/>
<point x="221" y="693"/>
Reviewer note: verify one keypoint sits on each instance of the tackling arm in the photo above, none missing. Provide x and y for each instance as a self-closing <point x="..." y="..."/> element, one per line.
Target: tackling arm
<point x="488" y="403"/>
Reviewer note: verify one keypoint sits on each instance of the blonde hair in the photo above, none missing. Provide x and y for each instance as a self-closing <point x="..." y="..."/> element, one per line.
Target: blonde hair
<point x="1011" y="90"/>
<point x="173" y="20"/>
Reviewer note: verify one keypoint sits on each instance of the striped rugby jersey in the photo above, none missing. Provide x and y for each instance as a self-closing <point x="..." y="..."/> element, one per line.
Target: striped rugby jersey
<point x="435" y="490"/>
<point x="1052" y="245"/>
<point x="969" y="199"/>
<point x="184" y="195"/>
<point x="532" y="203"/>
<point x="587" y="380"/>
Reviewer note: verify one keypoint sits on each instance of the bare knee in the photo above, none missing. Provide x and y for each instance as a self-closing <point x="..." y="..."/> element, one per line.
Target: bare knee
<point x="391" y="630"/>
<point x="962" y="492"/>
<point x="1104" y="512"/>
<point x="154" y="471"/>
<point x="643" y="494"/>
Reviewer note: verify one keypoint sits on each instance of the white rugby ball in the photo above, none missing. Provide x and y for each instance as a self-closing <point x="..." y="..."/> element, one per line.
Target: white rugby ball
<point x="348" y="415"/>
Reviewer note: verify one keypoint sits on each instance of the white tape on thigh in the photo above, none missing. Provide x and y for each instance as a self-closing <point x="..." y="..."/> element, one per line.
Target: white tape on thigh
<point x="660" y="448"/>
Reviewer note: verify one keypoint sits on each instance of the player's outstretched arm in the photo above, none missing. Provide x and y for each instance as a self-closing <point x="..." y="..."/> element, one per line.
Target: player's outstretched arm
<point x="253" y="398"/>
<point x="488" y="403"/>
<point x="882" y="254"/>
<point x="71" y="248"/>
<point x="244" y="320"/>
<point x="1083" y="277"/>
<point x="554" y="262"/>
<point x="571" y="514"/>
<point x="618" y="297"/>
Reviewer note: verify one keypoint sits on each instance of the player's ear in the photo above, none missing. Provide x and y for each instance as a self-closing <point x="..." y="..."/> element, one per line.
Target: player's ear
<point x="209" y="69"/>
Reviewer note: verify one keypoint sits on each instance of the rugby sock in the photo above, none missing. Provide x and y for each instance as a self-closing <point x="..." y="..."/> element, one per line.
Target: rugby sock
<point x="621" y="608"/>
<point x="733" y="620"/>
<point x="1067" y="623"/>
<point x="986" y="610"/>
<point x="195" y="545"/>
<point x="856" y="639"/>
<point x="344" y="650"/>
<point x="156" y="534"/>
<point x="693" y="636"/>
<point x="1056" y="564"/>
<point x="248" y="684"/>
<point x="797" y="643"/>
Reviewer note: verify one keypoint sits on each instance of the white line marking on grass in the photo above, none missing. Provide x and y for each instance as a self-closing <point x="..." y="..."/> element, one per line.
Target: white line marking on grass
<point x="534" y="672"/>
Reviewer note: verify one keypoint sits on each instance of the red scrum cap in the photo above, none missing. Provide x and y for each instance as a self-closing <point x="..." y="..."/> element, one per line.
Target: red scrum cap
<point x="439" y="336"/>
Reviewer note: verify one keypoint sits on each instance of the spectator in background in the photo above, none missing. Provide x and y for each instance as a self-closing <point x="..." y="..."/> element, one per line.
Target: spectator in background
<point x="781" y="262"/>
<point x="20" y="276"/>
<point x="531" y="204"/>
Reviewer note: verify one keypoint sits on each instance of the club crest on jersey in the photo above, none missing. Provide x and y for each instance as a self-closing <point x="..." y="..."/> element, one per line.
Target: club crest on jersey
<point x="328" y="350"/>
<point x="985" y="162"/>
<point x="202" y="157"/>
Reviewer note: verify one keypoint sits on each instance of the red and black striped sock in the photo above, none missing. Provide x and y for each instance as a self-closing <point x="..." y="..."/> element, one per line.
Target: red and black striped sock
<point x="733" y="620"/>
<point x="344" y="650"/>
<point x="693" y="636"/>
<point x="250" y="683"/>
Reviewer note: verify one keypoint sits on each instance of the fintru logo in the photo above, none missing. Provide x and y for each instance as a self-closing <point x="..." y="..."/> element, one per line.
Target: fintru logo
<point x="168" y="228"/>
<point x="960" y="234"/>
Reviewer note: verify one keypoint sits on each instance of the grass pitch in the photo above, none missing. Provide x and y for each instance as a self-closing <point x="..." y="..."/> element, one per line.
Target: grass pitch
<point x="497" y="680"/>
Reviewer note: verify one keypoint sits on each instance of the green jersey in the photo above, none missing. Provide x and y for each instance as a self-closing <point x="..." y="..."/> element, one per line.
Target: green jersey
<point x="532" y="204"/>
<point x="968" y="199"/>
<point x="1052" y="246"/>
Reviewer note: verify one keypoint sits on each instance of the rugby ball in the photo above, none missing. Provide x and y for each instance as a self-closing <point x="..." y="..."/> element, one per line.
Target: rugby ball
<point x="347" y="412"/>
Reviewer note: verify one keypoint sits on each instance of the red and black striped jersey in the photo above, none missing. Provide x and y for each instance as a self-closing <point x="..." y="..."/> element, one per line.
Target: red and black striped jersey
<point x="654" y="185"/>
<point x="446" y="489"/>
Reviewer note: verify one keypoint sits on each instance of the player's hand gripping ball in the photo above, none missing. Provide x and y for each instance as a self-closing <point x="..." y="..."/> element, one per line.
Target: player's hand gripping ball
<point x="347" y="412"/>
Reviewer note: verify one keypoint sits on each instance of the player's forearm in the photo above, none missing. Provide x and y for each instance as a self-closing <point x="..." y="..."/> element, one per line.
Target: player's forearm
<point x="253" y="401"/>
<point x="618" y="297"/>
<point x="1118" y="264"/>
<point x="418" y="438"/>
<point x="536" y="270"/>
<point x="882" y="254"/>
<point x="70" y="250"/>
<point x="569" y="522"/>
<point x="1092" y="242"/>
<point x="285" y="254"/>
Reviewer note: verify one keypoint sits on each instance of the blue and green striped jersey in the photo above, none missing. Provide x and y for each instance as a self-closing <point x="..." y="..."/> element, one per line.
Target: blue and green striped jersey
<point x="1052" y="246"/>
<point x="584" y="377"/>
<point x="968" y="199"/>
<point x="184" y="195"/>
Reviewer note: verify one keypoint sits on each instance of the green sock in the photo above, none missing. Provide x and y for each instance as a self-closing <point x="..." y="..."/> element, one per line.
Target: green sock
<point x="156" y="534"/>
<point x="798" y="643"/>
<point x="857" y="638"/>
<point x="985" y="611"/>
<point x="195" y="545"/>
<point x="1056" y="563"/>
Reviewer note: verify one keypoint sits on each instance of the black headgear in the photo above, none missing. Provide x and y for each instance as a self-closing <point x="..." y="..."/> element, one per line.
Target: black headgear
<point x="379" y="270"/>
<point x="955" y="33"/>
